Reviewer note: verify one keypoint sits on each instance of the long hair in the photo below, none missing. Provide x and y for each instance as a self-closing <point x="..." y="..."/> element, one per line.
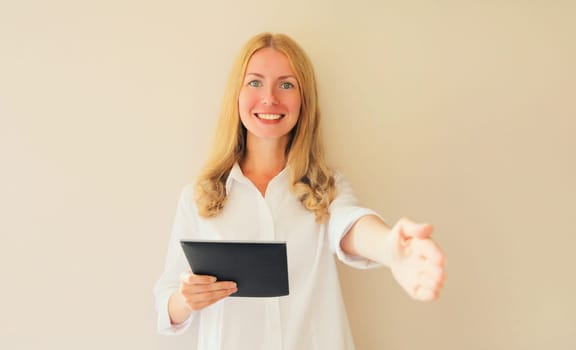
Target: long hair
<point x="310" y="178"/>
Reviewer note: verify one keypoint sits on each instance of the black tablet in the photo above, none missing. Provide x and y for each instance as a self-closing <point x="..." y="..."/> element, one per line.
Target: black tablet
<point x="260" y="269"/>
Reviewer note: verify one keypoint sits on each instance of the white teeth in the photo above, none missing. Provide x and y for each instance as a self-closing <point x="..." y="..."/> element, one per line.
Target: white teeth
<point x="269" y="116"/>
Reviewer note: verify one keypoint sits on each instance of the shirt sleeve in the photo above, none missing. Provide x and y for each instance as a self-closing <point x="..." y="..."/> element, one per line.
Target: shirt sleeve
<point x="184" y="226"/>
<point x="344" y="212"/>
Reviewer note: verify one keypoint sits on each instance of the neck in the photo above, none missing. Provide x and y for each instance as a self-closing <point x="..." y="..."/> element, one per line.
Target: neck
<point x="264" y="157"/>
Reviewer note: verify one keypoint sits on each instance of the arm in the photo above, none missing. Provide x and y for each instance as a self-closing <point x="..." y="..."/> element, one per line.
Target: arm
<point x="366" y="238"/>
<point x="178" y="293"/>
<point x="407" y="249"/>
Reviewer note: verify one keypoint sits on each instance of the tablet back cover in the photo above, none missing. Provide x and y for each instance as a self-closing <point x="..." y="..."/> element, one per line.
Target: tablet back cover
<point x="259" y="269"/>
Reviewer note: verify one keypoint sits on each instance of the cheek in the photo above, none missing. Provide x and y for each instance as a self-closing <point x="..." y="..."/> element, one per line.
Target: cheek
<point x="246" y="102"/>
<point x="296" y="104"/>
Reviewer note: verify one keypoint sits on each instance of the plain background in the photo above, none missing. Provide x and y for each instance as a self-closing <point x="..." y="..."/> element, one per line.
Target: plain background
<point x="457" y="113"/>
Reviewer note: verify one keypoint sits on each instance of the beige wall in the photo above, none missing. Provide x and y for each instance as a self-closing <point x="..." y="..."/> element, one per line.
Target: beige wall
<point x="460" y="113"/>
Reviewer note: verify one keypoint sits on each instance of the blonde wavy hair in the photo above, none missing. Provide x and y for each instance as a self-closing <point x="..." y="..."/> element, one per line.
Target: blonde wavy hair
<point x="310" y="178"/>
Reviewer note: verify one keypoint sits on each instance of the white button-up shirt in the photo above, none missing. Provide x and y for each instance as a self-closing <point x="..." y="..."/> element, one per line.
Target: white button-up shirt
<point x="313" y="315"/>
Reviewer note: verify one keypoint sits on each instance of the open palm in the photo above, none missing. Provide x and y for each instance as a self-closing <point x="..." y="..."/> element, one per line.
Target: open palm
<point x="415" y="260"/>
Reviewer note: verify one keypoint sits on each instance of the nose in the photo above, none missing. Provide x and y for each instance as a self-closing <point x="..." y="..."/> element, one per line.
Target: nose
<point x="269" y="96"/>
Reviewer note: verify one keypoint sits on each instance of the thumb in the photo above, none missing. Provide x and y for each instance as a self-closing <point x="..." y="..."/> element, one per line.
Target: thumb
<point x="410" y="229"/>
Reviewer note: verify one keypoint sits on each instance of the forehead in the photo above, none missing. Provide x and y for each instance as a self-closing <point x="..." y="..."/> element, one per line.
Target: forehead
<point x="268" y="61"/>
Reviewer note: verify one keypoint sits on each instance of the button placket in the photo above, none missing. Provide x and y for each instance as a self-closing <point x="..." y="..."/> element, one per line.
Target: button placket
<point x="273" y="313"/>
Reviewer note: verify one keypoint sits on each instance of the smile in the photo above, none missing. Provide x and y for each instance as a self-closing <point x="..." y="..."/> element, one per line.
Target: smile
<point x="268" y="116"/>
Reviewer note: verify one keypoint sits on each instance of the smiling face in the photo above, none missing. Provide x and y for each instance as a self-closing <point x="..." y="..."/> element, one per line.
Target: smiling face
<point x="269" y="100"/>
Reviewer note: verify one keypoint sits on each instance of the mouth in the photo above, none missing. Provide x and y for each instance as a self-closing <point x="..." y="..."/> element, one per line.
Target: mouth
<point x="268" y="116"/>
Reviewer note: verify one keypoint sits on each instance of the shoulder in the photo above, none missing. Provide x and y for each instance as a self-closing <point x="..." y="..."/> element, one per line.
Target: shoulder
<point x="344" y="192"/>
<point x="186" y="202"/>
<point x="187" y="190"/>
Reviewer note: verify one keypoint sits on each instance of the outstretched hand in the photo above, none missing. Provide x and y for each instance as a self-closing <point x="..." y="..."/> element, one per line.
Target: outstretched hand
<point x="416" y="260"/>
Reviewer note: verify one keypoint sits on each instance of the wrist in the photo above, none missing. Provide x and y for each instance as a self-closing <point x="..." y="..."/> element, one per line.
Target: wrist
<point x="370" y="238"/>
<point x="178" y="309"/>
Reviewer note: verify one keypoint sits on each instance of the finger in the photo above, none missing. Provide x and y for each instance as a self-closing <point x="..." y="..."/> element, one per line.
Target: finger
<point x="410" y="229"/>
<point x="423" y="293"/>
<point x="190" y="278"/>
<point x="206" y="288"/>
<point x="431" y="281"/>
<point x="200" y="301"/>
<point x="434" y="271"/>
<point x="197" y="295"/>
<point x="203" y="304"/>
<point x="209" y="295"/>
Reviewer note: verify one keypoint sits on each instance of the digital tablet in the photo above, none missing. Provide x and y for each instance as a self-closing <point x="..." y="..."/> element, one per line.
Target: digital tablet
<point x="260" y="269"/>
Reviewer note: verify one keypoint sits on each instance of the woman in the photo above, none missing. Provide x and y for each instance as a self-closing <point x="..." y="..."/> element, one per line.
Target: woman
<point x="267" y="179"/>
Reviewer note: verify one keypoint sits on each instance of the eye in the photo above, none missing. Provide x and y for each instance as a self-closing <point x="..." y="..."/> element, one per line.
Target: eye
<point x="255" y="83"/>
<point x="286" y="85"/>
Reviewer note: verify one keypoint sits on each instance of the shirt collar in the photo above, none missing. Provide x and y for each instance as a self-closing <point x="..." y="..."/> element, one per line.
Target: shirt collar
<point x="236" y="174"/>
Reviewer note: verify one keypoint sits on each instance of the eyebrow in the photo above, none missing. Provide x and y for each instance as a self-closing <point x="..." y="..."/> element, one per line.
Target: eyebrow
<point x="283" y="77"/>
